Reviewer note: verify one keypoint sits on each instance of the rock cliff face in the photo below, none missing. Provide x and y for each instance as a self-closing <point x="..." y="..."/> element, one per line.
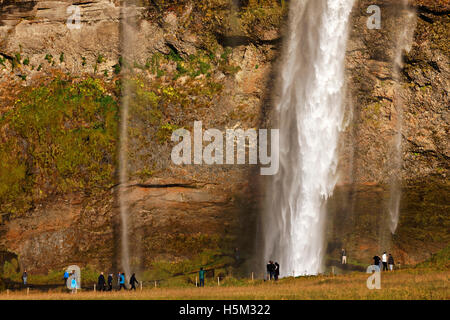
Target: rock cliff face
<point x="188" y="62"/>
<point x="213" y="61"/>
<point x="380" y="96"/>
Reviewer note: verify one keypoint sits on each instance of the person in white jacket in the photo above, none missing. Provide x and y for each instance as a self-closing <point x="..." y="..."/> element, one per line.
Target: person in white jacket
<point x="384" y="259"/>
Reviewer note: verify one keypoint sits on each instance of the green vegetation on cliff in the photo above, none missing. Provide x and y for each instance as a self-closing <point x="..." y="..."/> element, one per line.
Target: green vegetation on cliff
<point x="209" y="18"/>
<point x="439" y="261"/>
<point x="60" y="137"/>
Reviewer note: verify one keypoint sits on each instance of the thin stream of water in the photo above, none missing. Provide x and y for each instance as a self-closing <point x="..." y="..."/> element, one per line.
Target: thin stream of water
<point x="403" y="43"/>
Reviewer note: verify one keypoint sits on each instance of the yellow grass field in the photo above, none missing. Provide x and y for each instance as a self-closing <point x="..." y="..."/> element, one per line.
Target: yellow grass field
<point x="397" y="285"/>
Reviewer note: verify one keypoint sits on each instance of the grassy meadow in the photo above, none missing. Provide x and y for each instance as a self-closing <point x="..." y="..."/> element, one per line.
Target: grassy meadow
<point x="423" y="284"/>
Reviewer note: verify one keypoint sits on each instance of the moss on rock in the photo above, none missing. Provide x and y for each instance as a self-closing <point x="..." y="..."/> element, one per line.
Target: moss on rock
<point x="60" y="137"/>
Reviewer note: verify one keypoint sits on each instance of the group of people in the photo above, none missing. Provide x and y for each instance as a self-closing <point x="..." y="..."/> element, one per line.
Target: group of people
<point x="104" y="285"/>
<point x="73" y="281"/>
<point x="273" y="270"/>
<point x="384" y="261"/>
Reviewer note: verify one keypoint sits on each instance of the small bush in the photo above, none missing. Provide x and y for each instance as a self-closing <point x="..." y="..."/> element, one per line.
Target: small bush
<point x="100" y="59"/>
<point x="11" y="269"/>
<point x="49" y="58"/>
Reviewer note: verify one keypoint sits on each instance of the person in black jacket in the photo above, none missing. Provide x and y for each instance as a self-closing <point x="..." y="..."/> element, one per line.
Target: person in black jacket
<point x="276" y="271"/>
<point x="391" y="262"/>
<point x="101" y="282"/>
<point x="376" y="261"/>
<point x="133" y="281"/>
<point x="110" y="280"/>
<point x="270" y="270"/>
<point x="343" y="256"/>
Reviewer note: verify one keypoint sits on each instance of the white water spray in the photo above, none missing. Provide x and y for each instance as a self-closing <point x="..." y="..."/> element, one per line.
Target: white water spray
<point x="403" y="43"/>
<point x="311" y="117"/>
<point x="128" y="15"/>
<point x="124" y="252"/>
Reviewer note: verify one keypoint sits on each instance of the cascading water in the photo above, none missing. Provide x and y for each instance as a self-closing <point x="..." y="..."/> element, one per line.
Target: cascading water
<point x="127" y="34"/>
<point x="123" y="178"/>
<point x="403" y="43"/>
<point x="311" y="117"/>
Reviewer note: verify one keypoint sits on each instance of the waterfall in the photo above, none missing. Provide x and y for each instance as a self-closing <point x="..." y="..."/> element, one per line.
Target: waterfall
<point x="403" y="43"/>
<point x="123" y="180"/>
<point x="128" y="15"/>
<point x="310" y="111"/>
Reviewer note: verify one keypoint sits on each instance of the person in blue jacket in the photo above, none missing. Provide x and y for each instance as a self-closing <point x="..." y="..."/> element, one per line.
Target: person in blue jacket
<point x="73" y="284"/>
<point x="25" y="277"/>
<point x="122" y="281"/>
<point x="65" y="277"/>
<point x="201" y="277"/>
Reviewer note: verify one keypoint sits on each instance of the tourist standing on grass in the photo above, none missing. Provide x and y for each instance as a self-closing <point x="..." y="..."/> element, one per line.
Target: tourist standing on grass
<point x="118" y="278"/>
<point x="385" y="261"/>
<point x="277" y="271"/>
<point x="201" y="277"/>
<point x="73" y="283"/>
<point x="101" y="282"/>
<point x="122" y="281"/>
<point x="65" y="277"/>
<point x="110" y="280"/>
<point x="343" y="256"/>
<point x="133" y="281"/>
<point x="270" y="269"/>
<point x="376" y="261"/>
<point x="391" y="262"/>
<point x="25" y="277"/>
